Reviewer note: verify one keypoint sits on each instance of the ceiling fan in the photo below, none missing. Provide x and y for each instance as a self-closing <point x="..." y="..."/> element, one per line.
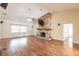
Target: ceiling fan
<point x="4" y="5"/>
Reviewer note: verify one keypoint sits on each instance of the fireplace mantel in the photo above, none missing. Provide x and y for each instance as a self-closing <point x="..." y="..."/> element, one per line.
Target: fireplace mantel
<point x="44" y="29"/>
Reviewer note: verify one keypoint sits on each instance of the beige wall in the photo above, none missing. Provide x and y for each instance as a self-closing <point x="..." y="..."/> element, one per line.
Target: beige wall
<point x="0" y="20"/>
<point x="64" y="18"/>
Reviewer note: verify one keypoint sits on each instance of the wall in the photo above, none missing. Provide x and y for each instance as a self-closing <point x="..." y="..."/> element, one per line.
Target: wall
<point x="0" y="20"/>
<point x="6" y="28"/>
<point x="35" y="26"/>
<point x="64" y="18"/>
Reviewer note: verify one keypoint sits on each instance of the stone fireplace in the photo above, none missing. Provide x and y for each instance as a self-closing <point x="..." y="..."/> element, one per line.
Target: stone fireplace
<point x="44" y="34"/>
<point x="44" y="27"/>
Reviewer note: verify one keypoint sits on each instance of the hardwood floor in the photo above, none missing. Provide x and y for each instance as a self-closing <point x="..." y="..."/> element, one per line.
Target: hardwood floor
<point x="32" y="46"/>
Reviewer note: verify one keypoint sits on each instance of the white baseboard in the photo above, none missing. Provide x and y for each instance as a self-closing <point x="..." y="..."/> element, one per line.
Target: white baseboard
<point x="13" y="37"/>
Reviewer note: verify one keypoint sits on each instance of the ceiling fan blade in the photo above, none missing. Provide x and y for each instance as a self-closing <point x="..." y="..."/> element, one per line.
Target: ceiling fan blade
<point x="4" y="5"/>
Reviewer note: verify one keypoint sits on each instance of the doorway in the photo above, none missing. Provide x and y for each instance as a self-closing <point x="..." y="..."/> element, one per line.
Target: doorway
<point x="68" y="35"/>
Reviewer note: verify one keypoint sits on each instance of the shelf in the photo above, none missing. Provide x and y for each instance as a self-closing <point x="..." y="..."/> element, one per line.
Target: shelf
<point x="44" y="29"/>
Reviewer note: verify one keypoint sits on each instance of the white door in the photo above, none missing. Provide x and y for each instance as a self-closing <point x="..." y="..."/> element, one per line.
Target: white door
<point x="68" y="35"/>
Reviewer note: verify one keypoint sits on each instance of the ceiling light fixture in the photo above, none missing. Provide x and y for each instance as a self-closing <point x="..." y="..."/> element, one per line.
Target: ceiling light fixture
<point x="29" y="18"/>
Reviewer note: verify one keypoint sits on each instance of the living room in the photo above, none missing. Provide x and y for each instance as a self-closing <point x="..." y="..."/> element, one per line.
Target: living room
<point x="39" y="29"/>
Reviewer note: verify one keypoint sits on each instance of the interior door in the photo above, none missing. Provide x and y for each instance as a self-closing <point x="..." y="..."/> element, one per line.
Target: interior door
<point x="68" y="35"/>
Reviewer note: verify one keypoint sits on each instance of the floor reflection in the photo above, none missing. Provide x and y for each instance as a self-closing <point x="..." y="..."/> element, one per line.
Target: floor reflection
<point x="68" y="45"/>
<point x="17" y="44"/>
<point x="33" y="46"/>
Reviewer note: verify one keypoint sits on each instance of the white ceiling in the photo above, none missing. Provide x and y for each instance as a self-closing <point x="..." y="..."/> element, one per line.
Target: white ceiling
<point x="20" y="10"/>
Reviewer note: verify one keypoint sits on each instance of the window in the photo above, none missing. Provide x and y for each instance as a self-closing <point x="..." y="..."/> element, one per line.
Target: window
<point x="15" y="28"/>
<point x="18" y="28"/>
<point x="23" y="29"/>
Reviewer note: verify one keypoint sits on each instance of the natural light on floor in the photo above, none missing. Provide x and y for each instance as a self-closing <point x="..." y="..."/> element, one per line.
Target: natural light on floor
<point x="19" y="43"/>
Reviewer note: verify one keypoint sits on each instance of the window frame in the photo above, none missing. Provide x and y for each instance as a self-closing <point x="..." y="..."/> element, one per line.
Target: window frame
<point x="20" y="29"/>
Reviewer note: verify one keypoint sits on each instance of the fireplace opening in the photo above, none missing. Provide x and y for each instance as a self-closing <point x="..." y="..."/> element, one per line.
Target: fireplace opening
<point x="42" y="34"/>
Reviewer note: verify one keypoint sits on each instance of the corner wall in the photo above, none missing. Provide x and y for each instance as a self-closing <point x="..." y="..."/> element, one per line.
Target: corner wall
<point x="64" y="18"/>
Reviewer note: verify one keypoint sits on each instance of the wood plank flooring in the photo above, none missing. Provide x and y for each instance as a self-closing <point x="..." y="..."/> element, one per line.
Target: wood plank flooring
<point x="33" y="46"/>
